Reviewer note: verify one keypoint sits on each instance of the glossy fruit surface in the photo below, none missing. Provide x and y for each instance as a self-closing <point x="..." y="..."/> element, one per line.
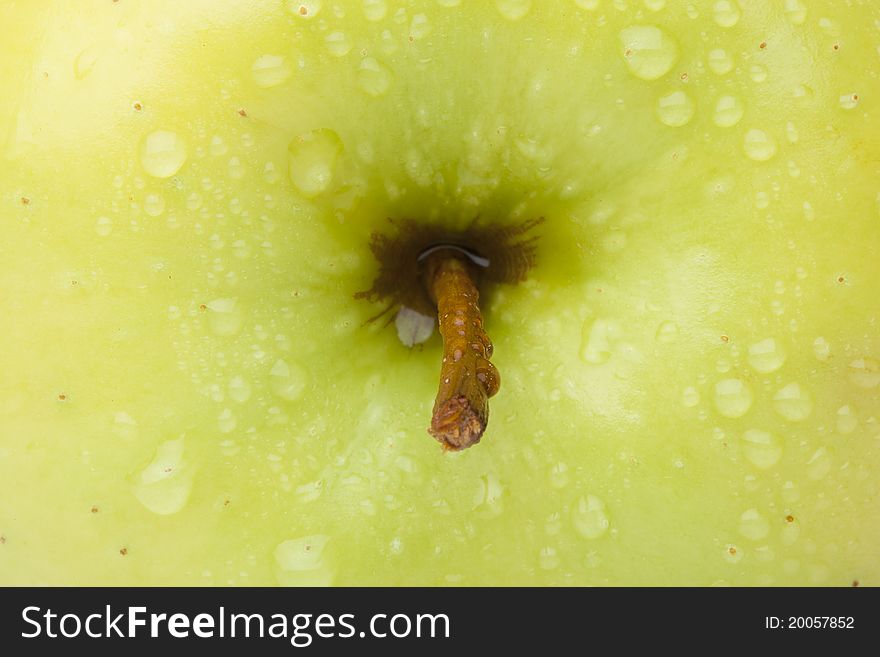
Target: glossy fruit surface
<point x="190" y="394"/>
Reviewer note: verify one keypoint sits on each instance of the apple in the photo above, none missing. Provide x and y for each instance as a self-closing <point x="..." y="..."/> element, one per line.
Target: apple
<point x="193" y="394"/>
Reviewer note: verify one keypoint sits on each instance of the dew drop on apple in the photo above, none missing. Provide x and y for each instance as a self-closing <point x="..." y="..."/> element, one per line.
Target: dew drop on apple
<point x="84" y="63"/>
<point x="821" y="349"/>
<point x="649" y="52"/>
<point x="419" y="27"/>
<point x="667" y="332"/>
<point x="865" y="372"/>
<point x="793" y="402"/>
<point x="728" y="111"/>
<point x="726" y="12"/>
<point x="239" y="389"/>
<point x="162" y="153"/>
<point x="589" y="517"/>
<point x="759" y="145"/>
<point x="312" y="160"/>
<point x="224" y="316"/>
<point x="226" y="421"/>
<point x="757" y="73"/>
<point x="847" y="420"/>
<point x="559" y="475"/>
<point x="597" y="340"/>
<point x="754" y="525"/>
<point x="733" y="398"/>
<point x="303" y="561"/>
<point x="288" y="379"/>
<point x="675" y="109"/>
<point x="373" y="78"/>
<point x="154" y="204"/>
<point x="304" y="9"/>
<point x="375" y="10"/>
<point x="655" y="5"/>
<point x="720" y="61"/>
<point x="513" y="9"/>
<point x="766" y="356"/>
<point x="164" y="485"/>
<point x="124" y="425"/>
<point x="762" y="448"/>
<point x="690" y="397"/>
<point x="795" y="11"/>
<point x="589" y="5"/>
<point x="338" y="44"/>
<point x="791" y="530"/>
<point x="235" y="168"/>
<point x="104" y="226"/>
<point x="548" y="558"/>
<point x="819" y="463"/>
<point x="217" y="146"/>
<point x="270" y="71"/>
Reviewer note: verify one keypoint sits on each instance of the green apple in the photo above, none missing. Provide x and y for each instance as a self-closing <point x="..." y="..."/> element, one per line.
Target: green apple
<point x="192" y="394"/>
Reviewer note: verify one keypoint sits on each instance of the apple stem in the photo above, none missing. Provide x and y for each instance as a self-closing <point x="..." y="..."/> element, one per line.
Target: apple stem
<point x="467" y="378"/>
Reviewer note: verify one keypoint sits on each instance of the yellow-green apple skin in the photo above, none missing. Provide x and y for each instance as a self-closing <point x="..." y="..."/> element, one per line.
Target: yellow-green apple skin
<point x="190" y="394"/>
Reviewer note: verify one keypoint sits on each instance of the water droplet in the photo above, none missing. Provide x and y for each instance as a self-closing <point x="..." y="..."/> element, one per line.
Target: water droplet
<point x="239" y="389"/>
<point x="303" y="562"/>
<point x="164" y="485"/>
<point x="288" y="379"/>
<point x="162" y="153"/>
<point x="821" y="349"/>
<point x="373" y="77"/>
<point x="338" y="44"/>
<point x="648" y="51"/>
<point x="226" y="421"/>
<point x="224" y="316"/>
<point x="597" y="339"/>
<point x="154" y="204"/>
<point x="720" y="61"/>
<point x="754" y="525"/>
<point x="559" y="476"/>
<point x="726" y="13"/>
<point x="655" y="5"/>
<point x="728" y="111"/>
<point x="413" y="327"/>
<point x="849" y="101"/>
<point x="865" y="372"/>
<point x="375" y="10"/>
<point x="513" y="9"/>
<point x="548" y="559"/>
<point x="758" y="73"/>
<point x="819" y="464"/>
<point x="791" y="132"/>
<point x="589" y="517"/>
<point x="847" y="420"/>
<point x="690" y="397"/>
<point x="793" y="402"/>
<point x="124" y="425"/>
<point x="305" y="9"/>
<point x="270" y="71"/>
<point x="761" y="448"/>
<point x="759" y="145"/>
<point x="795" y="12"/>
<point x="733" y="398"/>
<point x="236" y="168"/>
<point x="312" y="159"/>
<point x="675" y="109"/>
<point x="84" y="63"/>
<point x="589" y="5"/>
<point x="488" y="498"/>
<point x="419" y="28"/>
<point x="766" y="356"/>
<point x="667" y="332"/>
<point x="104" y="226"/>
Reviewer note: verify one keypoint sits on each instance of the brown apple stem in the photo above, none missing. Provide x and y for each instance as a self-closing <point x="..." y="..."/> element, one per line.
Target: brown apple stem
<point x="467" y="378"/>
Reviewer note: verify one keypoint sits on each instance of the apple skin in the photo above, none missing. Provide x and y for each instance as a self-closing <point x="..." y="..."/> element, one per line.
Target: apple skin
<point x="190" y="394"/>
